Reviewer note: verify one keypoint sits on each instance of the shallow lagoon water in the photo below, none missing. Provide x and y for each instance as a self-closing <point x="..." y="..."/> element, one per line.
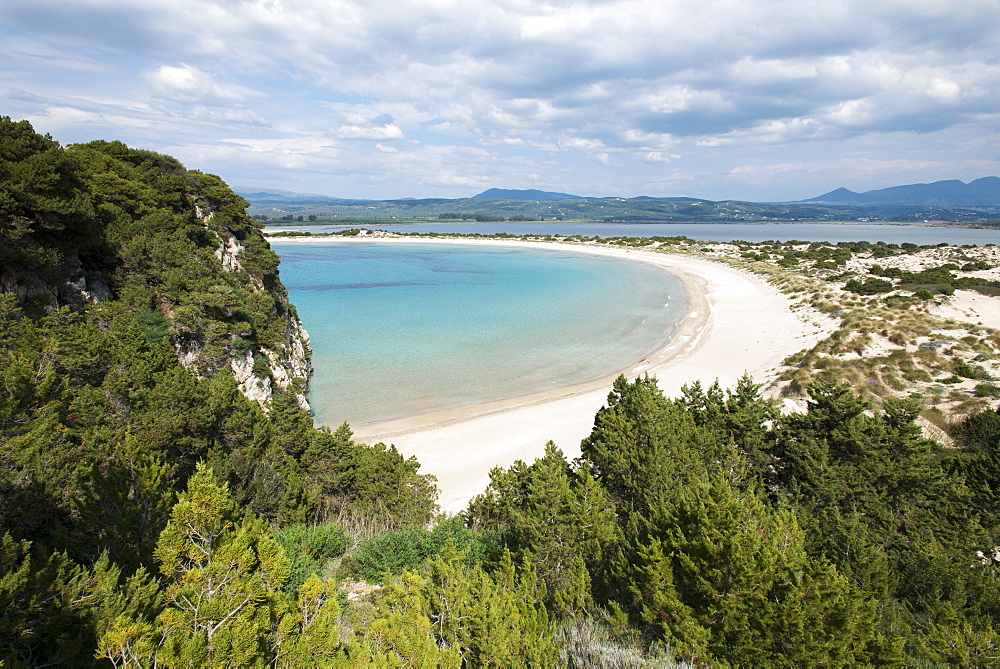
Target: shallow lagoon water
<point x="403" y="329"/>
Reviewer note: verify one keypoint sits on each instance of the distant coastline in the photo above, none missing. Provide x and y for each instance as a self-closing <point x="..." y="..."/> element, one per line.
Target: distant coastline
<point x="842" y="231"/>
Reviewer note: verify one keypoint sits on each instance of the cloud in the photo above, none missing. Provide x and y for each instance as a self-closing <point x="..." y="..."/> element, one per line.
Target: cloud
<point x="580" y="144"/>
<point x="708" y="87"/>
<point x="660" y="157"/>
<point x="379" y="128"/>
<point x="189" y="84"/>
<point x="854" y="173"/>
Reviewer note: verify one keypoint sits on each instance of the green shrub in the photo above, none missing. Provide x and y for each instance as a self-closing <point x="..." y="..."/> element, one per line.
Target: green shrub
<point x="153" y="325"/>
<point x="309" y="548"/>
<point x="261" y="365"/>
<point x="924" y="294"/>
<point x="968" y="371"/>
<point x="241" y="345"/>
<point x="394" y="552"/>
<point x="987" y="390"/>
<point x="869" y="287"/>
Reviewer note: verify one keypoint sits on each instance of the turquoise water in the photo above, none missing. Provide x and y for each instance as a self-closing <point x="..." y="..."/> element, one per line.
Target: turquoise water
<point x="402" y="329"/>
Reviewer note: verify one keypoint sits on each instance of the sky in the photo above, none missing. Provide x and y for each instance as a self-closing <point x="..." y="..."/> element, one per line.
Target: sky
<point x="763" y="100"/>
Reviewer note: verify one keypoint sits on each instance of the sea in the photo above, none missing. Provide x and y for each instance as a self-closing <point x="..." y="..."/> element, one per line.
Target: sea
<point x="403" y="329"/>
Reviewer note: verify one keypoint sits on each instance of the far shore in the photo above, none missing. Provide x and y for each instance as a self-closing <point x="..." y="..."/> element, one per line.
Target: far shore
<point x="736" y="323"/>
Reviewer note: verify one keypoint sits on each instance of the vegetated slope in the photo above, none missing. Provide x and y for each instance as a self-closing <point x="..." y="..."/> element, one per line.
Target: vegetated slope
<point x="133" y="289"/>
<point x="101" y="221"/>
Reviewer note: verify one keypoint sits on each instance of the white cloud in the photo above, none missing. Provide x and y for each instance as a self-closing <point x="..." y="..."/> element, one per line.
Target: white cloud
<point x="224" y="116"/>
<point x="580" y="144"/>
<point x="373" y="132"/>
<point x="660" y="157"/>
<point x="706" y="86"/>
<point x="190" y="84"/>
<point x="857" y="173"/>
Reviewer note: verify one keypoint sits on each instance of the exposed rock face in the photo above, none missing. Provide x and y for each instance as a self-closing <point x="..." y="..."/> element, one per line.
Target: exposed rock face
<point x="76" y="286"/>
<point x="292" y="363"/>
<point x="228" y="252"/>
<point x="255" y="387"/>
<point x="289" y="365"/>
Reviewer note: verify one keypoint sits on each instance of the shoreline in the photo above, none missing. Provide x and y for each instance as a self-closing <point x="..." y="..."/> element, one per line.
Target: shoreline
<point x="736" y="323"/>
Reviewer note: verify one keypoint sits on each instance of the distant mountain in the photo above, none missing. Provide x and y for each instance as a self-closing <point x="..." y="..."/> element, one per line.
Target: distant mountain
<point x="984" y="191"/>
<point x="273" y="196"/>
<point x="530" y="194"/>
<point x="977" y="200"/>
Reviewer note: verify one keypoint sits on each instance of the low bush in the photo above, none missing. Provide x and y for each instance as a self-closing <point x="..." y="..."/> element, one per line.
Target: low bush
<point x="309" y="548"/>
<point x="394" y="552"/>
<point x="869" y="287"/>
<point x="974" y="372"/>
<point x="987" y="390"/>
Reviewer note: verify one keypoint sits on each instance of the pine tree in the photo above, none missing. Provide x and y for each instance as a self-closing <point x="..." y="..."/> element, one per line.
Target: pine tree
<point x="721" y="575"/>
<point x="309" y="633"/>
<point x="486" y="619"/>
<point x="223" y="575"/>
<point x="401" y="634"/>
<point x="560" y="520"/>
<point x="639" y="426"/>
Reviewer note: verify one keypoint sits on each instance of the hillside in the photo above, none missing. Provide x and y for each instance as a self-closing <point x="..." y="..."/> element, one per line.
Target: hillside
<point x="950" y="193"/>
<point x="102" y="222"/>
<point x="517" y="206"/>
<point x="147" y="347"/>
<point x="633" y="210"/>
<point x="529" y="194"/>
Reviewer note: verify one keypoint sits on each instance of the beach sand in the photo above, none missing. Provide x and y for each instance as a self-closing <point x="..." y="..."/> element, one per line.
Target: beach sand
<point x="736" y="324"/>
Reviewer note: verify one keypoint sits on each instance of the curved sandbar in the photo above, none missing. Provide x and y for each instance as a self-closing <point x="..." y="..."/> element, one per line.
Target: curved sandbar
<point x="736" y="323"/>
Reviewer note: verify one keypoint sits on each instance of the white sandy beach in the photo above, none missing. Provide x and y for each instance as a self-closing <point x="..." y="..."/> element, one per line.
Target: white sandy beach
<point x="736" y="323"/>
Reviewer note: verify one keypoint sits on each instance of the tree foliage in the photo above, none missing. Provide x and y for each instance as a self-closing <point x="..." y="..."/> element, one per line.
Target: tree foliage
<point x="153" y="515"/>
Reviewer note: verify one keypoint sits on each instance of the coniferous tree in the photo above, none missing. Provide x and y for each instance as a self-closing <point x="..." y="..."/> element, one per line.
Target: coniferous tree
<point x="559" y="519"/>
<point x="487" y="619"/>
<point x="640" y="426"/>
<point x="309" y="633"/>
<point x="721" y="575"/>
<point x="223" y="575"/>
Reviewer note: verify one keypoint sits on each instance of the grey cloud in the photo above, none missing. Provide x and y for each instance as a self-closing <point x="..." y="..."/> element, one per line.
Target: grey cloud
<point x="613" y="76"/>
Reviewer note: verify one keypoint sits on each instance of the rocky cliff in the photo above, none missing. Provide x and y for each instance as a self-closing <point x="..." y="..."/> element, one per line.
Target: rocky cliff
<point x="100" y="221"/>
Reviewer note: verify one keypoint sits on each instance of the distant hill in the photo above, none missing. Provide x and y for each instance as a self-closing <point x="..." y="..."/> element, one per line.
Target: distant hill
<point x="269" y="196"/>
<point x="529" y="194"/>
<point x="952" y="192"/>
<point x="943" y="200"/>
